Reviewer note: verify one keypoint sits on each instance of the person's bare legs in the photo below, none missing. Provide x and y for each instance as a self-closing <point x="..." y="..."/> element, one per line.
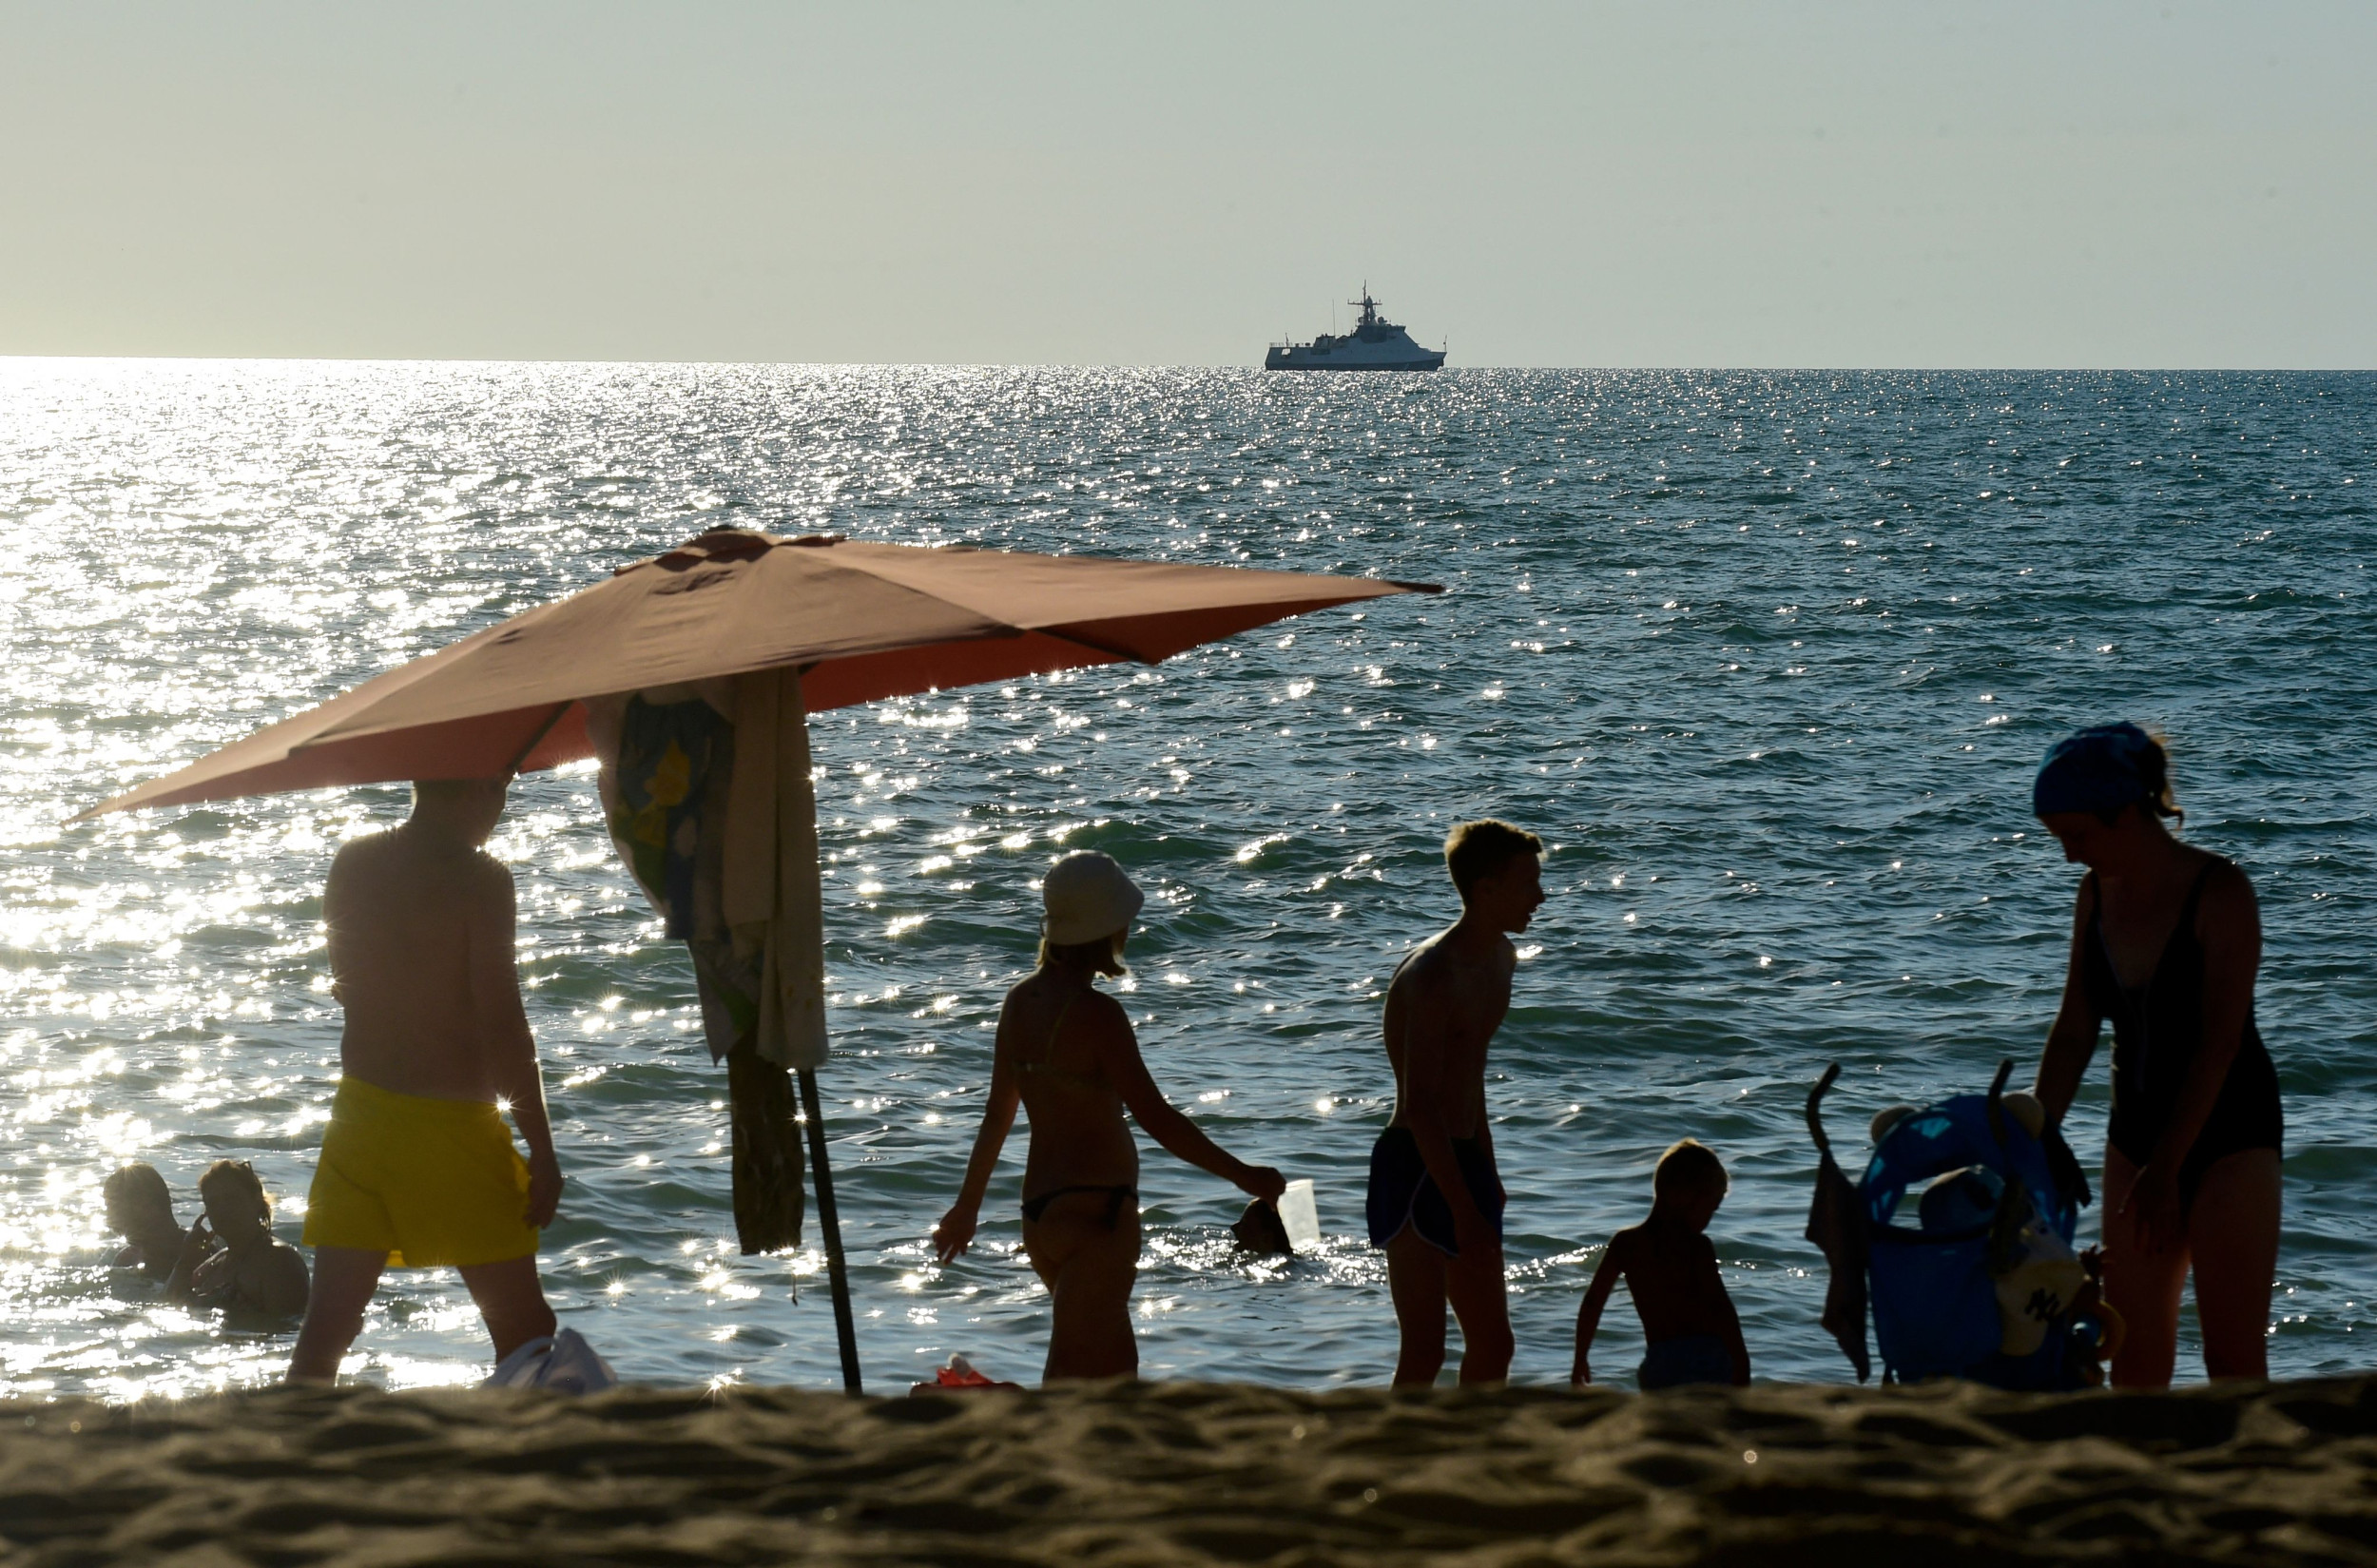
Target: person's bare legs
<point x="2143" y="1286"/>
<point x="512" y="1301"/>
<point x="1416" y="1281"/>
<point x="1090" y="1269"/>
<point x="1474" y="1284"/>
<point x="1423" y="1281"/>
<point x="2233" y="1232"/>
<point x="344" y="1278"/>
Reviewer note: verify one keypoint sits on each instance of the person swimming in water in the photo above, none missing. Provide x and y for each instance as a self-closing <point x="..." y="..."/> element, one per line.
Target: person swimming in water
<point x="2166" y="938"/>
<point x="418" y="1170"/>
<point x="140" y="1209"/>
<point x="1435" y="1203"/>
<point x="1065" y="1052"/>
<point x="255" y="1278"/>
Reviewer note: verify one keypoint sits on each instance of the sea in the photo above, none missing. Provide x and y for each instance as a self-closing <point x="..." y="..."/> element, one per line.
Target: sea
<point x="1767" y="658"/>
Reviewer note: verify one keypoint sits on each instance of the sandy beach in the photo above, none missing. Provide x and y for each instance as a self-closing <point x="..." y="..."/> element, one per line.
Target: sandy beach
<point x="1186" y="1472"/>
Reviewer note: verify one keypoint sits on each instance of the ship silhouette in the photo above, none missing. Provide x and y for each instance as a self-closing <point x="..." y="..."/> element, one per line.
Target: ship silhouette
<point x="1376" y="343"/>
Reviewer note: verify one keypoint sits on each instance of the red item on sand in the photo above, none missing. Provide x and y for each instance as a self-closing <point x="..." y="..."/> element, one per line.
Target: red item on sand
<point x="958" y="1374"/>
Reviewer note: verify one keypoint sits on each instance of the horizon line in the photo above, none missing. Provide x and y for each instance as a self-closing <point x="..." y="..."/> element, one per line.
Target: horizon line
<point x="14" y="358"/>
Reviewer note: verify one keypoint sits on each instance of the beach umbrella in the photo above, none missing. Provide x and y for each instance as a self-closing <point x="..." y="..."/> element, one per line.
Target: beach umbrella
<point x="855" y="621"/>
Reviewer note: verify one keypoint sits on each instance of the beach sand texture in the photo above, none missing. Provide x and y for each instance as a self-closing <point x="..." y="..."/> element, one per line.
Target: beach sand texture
<point x="1198" y="1473"/>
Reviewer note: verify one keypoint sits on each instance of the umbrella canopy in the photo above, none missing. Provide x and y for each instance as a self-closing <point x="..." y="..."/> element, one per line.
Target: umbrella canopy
<point x="860" y="621"/>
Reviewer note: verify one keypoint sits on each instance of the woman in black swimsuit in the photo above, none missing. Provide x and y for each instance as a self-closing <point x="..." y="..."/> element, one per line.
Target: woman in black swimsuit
<point x="1066" y="1053"/>
<point x="2165" y="942"/>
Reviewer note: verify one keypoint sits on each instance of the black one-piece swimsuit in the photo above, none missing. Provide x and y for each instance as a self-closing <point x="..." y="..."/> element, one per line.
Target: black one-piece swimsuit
<point x="2157" y="1031"/>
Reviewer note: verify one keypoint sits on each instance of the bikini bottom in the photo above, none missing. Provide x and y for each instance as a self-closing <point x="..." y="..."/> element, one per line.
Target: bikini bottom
<point x="1116" y="1199"/>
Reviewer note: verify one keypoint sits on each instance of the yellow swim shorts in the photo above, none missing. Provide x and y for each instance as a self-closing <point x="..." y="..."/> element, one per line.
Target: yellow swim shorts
<point x="433" y="1183"/>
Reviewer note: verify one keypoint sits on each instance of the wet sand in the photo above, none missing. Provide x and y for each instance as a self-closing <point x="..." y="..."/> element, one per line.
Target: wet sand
<point x="1185" y="1473"/>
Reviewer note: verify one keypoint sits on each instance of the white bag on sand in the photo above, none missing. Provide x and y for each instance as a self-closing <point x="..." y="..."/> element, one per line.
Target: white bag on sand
<point x="562" y="1363"/>
<point x="1300" y="1216"/>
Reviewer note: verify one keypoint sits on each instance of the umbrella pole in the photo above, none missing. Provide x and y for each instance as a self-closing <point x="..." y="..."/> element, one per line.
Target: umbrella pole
<point x="835" y="1270"/>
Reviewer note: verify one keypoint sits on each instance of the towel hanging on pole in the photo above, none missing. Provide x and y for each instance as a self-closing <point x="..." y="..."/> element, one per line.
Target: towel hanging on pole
<point x="670" y="757"/>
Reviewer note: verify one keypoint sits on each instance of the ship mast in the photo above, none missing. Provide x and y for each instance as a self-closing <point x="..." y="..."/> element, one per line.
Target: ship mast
<point x="1369" y="307"/>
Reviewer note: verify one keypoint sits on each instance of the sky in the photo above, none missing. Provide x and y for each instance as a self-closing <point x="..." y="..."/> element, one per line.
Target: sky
<point x="1791" y="184"/>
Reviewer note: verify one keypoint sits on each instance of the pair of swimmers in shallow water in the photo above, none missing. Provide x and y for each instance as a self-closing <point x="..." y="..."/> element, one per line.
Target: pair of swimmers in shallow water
<point x="226" y="1260"/>
<point x="2165" y="944"/>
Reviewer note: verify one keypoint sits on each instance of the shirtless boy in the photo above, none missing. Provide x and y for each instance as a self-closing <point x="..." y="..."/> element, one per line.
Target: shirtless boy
<point x="418" y="1170"/>
<point x="1690" y="1330"/>
<point x="1436" y="1202"/>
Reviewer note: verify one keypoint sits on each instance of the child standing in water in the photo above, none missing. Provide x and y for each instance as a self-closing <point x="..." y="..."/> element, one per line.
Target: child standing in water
<point x="1435" y="1203"/>
<point x="1691" y="1331"/>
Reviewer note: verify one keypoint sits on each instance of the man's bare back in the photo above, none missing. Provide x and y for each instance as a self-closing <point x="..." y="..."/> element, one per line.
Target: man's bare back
<point x="414" y="917"/>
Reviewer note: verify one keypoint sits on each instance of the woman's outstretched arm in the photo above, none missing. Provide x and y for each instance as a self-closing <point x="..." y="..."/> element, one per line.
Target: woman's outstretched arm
<point x="2072" y="1041"/>
<point x="956" y="1231"/>
<point x="1118" y="1051"/>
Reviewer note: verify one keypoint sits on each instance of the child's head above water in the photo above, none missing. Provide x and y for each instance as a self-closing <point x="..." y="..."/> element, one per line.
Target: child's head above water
<point x="1689" y="1183"/>
<point x="137" y="1201"/>
<point x="234" y="1198"/>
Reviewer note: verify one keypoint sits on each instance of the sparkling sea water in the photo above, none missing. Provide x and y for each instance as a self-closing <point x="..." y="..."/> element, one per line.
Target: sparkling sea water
<point x="1768" y="659"/>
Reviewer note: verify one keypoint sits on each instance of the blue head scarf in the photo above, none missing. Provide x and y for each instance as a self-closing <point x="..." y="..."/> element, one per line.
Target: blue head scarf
<point x="2100" y="769"/>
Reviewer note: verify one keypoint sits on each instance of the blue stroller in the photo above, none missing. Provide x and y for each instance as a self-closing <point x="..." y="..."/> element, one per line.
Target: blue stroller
<point x="1983" y="1284"/>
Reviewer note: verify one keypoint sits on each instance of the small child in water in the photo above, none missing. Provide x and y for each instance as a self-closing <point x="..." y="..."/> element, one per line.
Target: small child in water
<point x="255" y="1276"/>
<point x="1691" y="1331"/>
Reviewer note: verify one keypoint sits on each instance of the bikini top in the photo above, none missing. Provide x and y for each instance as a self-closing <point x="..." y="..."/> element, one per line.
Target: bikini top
<point x="1047" y="1068"/>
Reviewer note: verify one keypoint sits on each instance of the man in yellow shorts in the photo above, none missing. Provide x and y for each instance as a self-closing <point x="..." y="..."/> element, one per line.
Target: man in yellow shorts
<point x="418" y="1170"/>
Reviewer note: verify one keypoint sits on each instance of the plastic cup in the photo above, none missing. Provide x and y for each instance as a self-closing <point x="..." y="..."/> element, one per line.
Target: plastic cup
<point x="1300" y="1216"/>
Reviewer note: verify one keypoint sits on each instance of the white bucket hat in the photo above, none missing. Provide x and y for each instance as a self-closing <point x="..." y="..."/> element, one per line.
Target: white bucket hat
<point x="1086" y="896"/>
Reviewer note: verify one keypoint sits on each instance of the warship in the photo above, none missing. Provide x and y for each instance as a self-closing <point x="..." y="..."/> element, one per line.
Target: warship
<point x="1376" y="343"/>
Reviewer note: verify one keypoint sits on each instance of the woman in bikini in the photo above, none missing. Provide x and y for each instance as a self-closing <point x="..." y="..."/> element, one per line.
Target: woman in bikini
<point x="2165" y="941"/>
<point x="1066" y="1052"/>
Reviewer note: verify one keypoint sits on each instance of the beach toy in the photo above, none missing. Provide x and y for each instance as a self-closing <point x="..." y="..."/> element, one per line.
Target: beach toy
<point x="2040" y="1281"/>
<point x="1961" y="1200"/>
<point x="958" y="1376"/>
<point x="1301" y="1215"/>
<point x="560" y="1363"/>
<point x="1886" y="1119"/>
